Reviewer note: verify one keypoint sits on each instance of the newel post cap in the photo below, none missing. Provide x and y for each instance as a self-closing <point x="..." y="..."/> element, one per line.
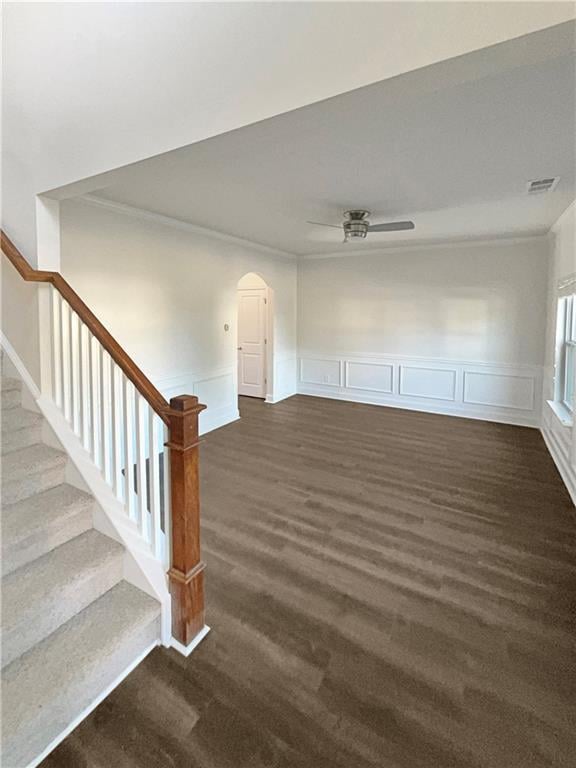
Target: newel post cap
<point x="186" y="403"/>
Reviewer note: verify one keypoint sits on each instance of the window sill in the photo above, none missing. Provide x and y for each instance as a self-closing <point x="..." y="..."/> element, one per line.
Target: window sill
<point x="561" y="412"/>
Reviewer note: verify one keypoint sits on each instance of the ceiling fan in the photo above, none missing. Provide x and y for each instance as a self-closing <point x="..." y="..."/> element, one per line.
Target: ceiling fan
<point x="356" y="225"/>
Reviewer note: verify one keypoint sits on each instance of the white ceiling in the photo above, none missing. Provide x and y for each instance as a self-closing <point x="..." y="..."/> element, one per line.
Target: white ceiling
<point x="450" y="146"/>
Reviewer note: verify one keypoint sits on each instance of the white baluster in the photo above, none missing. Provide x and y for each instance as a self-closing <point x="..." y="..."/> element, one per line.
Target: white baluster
<point x="95" y="400"/>
<point x="105" y="436"/>
<point x="128" y="409"/>
<point x="166" y="506"/>
<point x="66" y="358"/>
<point x="141" y="445"/>
<point x="117" y="422"/>
<point x="154" y="432"/>
<point x="56" y="348"/>
<point x="75" y="374"/>
<point x="86" y="378"/>
<point x="124" y="436"/>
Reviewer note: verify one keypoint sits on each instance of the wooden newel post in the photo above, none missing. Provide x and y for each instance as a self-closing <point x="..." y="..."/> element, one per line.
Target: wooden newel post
<point x="186" y="569"/>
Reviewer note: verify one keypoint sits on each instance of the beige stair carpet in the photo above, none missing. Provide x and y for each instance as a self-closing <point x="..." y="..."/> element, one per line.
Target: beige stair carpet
<point x="71" y="626"/>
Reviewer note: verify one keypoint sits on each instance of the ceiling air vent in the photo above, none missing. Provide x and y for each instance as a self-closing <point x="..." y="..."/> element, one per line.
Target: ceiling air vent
<point x="542" y="185"/>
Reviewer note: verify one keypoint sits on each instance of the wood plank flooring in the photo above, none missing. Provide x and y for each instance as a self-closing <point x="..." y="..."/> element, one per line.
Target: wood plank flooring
<point x="386" y="589"/>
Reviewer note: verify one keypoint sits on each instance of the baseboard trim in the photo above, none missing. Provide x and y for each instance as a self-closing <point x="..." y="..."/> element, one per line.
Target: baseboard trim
<point x="272" y="400"/>
<point x="186" y="650"/>
<point x="91" y="707"/>
<point x="437" y="407"/>
<point x="565" y="470"/>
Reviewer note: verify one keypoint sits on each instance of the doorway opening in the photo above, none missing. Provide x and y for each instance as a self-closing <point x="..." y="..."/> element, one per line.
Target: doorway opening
<point x="254" y="336"/>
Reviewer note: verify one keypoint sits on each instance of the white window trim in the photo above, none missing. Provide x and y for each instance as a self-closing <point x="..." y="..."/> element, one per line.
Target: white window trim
<point x="562" y="413"/>
<point x="565" y="337"/>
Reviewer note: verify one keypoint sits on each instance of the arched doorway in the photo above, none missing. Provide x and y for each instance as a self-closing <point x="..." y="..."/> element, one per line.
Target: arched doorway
<point x="254" y="336"/>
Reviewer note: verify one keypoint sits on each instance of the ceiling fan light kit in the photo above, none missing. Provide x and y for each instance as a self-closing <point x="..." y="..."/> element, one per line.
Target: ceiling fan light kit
<point x="355" y="225"/>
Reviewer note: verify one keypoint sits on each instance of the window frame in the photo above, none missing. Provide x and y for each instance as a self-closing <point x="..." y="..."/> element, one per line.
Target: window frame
<point x="565" y="362"/>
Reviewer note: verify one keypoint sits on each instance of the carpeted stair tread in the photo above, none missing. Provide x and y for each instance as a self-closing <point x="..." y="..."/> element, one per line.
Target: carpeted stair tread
<point x="44" y="594"/>
<point x="46" y="689"/>
<point x="36" y="525"/>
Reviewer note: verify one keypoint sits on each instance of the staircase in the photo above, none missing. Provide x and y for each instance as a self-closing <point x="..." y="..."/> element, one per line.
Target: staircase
<point x="71" y="627"/>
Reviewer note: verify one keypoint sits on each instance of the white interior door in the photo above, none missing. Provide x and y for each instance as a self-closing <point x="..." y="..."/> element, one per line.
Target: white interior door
<point x="252" y="312"/>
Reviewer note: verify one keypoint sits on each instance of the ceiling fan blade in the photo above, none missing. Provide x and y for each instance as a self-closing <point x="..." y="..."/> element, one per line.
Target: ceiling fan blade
<point x="391" y="226"/>
<point x="321" y="224"/>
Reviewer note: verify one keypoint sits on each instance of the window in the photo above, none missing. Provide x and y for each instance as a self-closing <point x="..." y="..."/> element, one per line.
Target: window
<point x="565" y="352"/>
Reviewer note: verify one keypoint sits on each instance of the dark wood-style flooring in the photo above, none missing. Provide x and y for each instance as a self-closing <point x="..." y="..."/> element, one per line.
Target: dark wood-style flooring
<point x="385" y="588"/>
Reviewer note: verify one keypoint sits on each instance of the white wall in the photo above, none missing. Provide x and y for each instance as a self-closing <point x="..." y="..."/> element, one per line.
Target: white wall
<point x="560" y="439"/>
<point x="166" y="293"/>
<point x="457" y="328"/>
<point x="20" y="317"/>
<point x="90" y="87"/>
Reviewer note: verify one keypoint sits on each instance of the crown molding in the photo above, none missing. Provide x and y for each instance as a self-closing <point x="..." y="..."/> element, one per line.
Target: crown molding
<point x="169" y="221"/>
<point x="432" y="245"/>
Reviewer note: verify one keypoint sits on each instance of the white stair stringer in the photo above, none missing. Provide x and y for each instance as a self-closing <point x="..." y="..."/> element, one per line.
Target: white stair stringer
<point x="72" y="626"/>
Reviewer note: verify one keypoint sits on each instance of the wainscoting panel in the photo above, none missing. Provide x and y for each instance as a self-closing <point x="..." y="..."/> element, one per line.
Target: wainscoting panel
<point x="369" y="376"/>
<point x="500" y="390"/>
<point x="324" y="371"/>
<point x="558" y="439"/>
<point x="435" y="383"/>
<point x="493" y="392"/>
<point x="216" y="390"/>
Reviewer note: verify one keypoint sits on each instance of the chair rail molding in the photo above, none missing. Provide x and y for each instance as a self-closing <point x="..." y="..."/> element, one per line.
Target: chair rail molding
<point x="505" y="393"/>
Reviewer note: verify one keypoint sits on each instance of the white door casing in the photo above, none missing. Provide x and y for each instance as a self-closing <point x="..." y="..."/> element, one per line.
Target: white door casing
<point x="252" y="315"/>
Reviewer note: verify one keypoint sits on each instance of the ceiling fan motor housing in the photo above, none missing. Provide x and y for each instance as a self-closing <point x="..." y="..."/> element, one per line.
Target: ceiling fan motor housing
<point x="356" y="225"/>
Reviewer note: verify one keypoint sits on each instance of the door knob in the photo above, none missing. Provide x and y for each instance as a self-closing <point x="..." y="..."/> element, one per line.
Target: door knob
<point x="238" y="348"/>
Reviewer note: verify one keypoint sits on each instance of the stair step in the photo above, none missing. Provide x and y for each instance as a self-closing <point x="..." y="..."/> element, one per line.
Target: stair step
<point x="18" y="418"/>
<point x="49" y="687"/>
<point x="20" y="428"/>
<point x="31" y="470"/>
<point x="8" y="382"/>
<point x="11" y="392"/>
<point x="36" y="525"/>
<point x="45" y="594"/>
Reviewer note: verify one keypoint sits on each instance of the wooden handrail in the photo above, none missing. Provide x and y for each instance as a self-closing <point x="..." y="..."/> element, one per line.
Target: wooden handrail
<point x="142" y="383"/>
<point x="186" y="573"/>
